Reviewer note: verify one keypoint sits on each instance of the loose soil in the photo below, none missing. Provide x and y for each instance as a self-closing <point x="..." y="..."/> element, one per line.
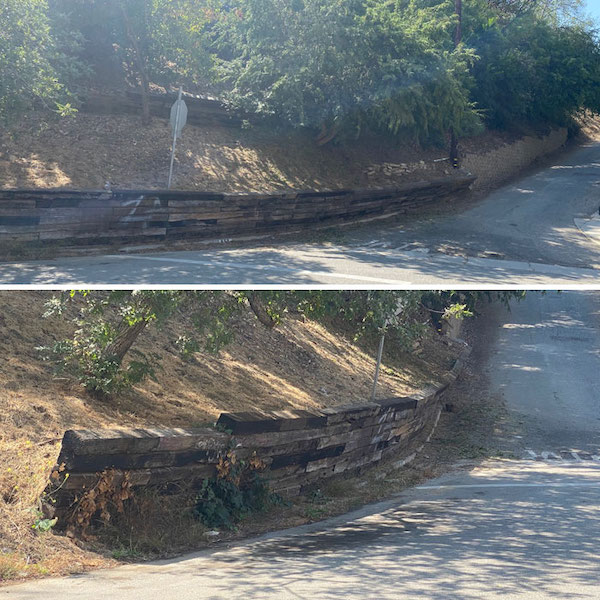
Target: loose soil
<point x="299" y="364"/>
<point x="87" y="150"/>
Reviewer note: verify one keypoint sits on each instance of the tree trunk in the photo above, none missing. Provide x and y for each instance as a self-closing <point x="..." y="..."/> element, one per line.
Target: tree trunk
<point x="458" y="30"/>
<point x="125" y="338"/>
<point x="259" y="310"/>
<point x="139" y="59"/>
<point x="454" y="157"/>
<point x="327" y="133"/>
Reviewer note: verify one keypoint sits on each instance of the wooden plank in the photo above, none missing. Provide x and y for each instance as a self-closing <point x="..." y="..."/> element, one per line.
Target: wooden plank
<point x="274" y="439"/>
<point x="144" y="477"/>
<point x="100" y="236"/>
<point x="263" y="422"/>
<point x="202" y="216"/>
<point x="19" y="237"/>
<point x="398" y="404"/>
<point x="303" y="458"/>
<point x="142" y="440"/>
<point x="83" y="463"/>
<point x="350" y="412"/>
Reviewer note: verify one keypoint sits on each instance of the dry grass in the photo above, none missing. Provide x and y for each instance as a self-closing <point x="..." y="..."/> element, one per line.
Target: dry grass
<point x="300" y="364"/>
<point x="153" y="525"/>
<point x="24" y="551"/>
<point x="87" y="150"/>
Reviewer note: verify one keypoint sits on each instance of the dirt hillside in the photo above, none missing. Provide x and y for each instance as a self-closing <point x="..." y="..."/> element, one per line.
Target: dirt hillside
<point x="299" y="364"/>
<point x="87" y="150"/>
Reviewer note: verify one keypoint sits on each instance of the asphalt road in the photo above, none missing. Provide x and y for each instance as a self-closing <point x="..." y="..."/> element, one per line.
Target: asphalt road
<point x="522" y="529"/>
<point x="523" y="234"/>
<point x="530" y="220"/>
<point x="545" y="363"/>
<point x="293" y="265"/>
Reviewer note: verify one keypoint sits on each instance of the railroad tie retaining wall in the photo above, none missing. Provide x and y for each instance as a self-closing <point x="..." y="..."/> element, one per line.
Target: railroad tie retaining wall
<point x="99" y="216"/>
<point x="298" y="447"/>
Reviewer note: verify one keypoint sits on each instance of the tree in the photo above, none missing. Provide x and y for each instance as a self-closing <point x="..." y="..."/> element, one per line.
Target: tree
<point x="333" y="65"/>
<point x="33" y="68"/>
<point x="531" y="70"/>
<point x="158" y="41"/>
<point x="109" y="324"/>
<point x="138" y="50"/>
<point x="553" y="11"/>
<point x="337" y="67"/>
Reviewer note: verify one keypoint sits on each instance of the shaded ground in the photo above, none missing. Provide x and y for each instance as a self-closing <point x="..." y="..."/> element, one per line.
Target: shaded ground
<point x="364" y="261"/>
<point x="521" y="531"/>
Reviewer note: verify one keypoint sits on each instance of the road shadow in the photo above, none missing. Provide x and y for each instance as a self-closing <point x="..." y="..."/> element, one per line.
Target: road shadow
<point x="510" y="541"/>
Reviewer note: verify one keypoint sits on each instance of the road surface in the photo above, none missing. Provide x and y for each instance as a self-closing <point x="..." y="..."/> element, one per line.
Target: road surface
<point x="526" y="528"/>
<point x="523" y="234"/>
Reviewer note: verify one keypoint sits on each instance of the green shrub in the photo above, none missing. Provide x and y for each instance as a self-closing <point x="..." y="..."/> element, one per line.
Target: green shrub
<point x="237" y="491"/>
<point x="531" y="70"/>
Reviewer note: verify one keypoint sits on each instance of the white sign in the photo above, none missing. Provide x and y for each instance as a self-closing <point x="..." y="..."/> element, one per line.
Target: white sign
<point x="178" y="116"/>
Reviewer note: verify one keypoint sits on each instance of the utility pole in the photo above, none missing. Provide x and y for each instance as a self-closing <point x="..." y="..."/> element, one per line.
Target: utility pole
<point x="454" y="158"/>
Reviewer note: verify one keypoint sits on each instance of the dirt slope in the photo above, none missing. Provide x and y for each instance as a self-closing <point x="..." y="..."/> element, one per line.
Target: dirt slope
<point x="86" y="150"/>
<point x="299" y="364"/>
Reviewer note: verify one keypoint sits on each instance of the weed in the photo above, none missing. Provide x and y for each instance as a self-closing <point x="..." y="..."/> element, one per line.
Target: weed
<point x="10" y="567"/>
<point x="107" y="496"/>
<point x="124" y="553"/>
<point x="236" y="491"/>
<point x="313" y="513"/>
<point x="316" y="496"/>
<point x="42" y="524"/>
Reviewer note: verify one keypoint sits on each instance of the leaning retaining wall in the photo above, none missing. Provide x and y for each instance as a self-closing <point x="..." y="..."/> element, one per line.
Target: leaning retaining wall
<point x="298" y="448"/>
<point x="99" y="216"/>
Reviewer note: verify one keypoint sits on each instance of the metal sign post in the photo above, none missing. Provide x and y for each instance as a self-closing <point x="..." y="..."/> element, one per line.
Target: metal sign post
<point x="178" y="120"/>
<point x="379" y="353"/>
<point x="384" y="329"/>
